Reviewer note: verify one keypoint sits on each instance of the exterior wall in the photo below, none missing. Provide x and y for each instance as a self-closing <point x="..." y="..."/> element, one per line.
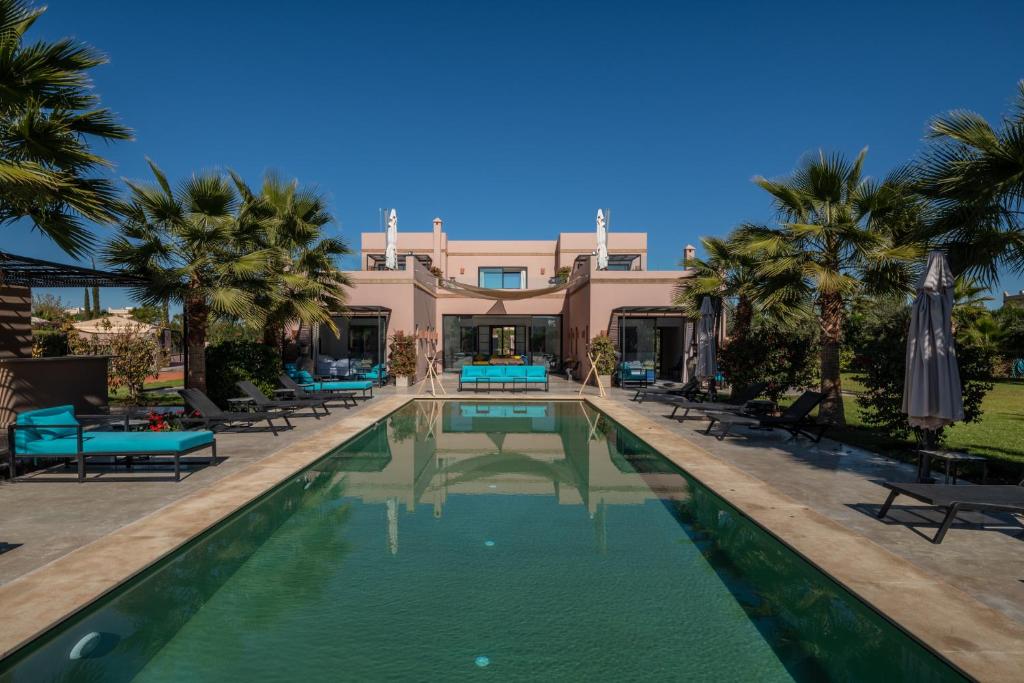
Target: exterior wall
<point x="15" y="322"/>
<point x="30" y="383"/>
<point x="465" y="258"/>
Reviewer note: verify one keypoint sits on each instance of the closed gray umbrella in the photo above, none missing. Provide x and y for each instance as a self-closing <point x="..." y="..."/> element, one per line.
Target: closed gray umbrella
<point x="707" y="367"/>
<point x="932" y="395"/>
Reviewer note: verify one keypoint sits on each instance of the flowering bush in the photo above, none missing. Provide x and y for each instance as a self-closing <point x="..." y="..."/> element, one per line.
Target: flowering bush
<point x="165" y="422"/>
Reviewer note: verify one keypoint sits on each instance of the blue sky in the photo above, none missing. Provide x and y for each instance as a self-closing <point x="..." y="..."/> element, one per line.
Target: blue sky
<point x="518" y="120"/>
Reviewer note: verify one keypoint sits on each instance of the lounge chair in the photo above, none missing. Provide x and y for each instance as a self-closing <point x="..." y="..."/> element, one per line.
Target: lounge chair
<point x="293" y="387"/>
<point x="211" y="416"/>
<point x="262" y="402"/>
<point x="690" y="390"/>
<point x="56" y="433"/>
<point x="955" y="499"/>
<point x="307" y="382"/>
<point x="794" y="419"/>
<point x="736" y="402"/>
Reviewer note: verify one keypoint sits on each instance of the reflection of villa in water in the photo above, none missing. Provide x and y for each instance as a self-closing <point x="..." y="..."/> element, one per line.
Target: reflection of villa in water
<point x="432" y="449"/>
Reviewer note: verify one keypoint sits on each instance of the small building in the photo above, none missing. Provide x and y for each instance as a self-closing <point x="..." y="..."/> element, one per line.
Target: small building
<point x="1014" y="299"/>
<point x="501" y="301"/>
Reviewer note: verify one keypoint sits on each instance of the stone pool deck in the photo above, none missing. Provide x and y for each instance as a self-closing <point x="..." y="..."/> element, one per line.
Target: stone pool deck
<point x="103" y="531"/>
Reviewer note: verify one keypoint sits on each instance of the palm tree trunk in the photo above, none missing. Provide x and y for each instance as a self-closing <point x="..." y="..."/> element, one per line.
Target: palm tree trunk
<point x="197" y="315"/>
<point x="831" y="409"/>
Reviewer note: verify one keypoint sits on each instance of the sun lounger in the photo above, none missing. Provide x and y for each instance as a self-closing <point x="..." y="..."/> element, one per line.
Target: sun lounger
<point x="795" y="419"/>
<point x="262" y="402"/>
<point x="954" y="499"/>
<point x="736" y="402"/>
<point x="690" y="390"/>
<point x="307" y="382"/>
<point x="293" y="387"/>
<point x="211" y="416"/>
<point x="56" y="433"/>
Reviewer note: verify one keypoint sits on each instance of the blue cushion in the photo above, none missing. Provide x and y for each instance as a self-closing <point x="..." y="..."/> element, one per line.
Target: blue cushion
<point x="361" y="385"/>
<point x="536" y="371"/>
<point x="494" y="371"/>
<point x="57" y="415"/>
<point x="303" y="377"/>
<point x="516" y="371"/>
<point x="122" y="442"/>
<point x="472" y="370"/>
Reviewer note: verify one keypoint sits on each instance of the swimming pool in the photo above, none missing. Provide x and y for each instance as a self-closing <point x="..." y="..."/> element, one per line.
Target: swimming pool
<point x="462" y="539"/>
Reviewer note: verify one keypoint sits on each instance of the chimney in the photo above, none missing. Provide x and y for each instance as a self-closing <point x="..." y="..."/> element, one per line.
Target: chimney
<point x="437" y="224"/>
<point x="689" y="252"/>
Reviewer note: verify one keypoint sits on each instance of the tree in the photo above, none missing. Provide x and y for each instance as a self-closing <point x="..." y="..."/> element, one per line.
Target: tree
<point x="1011" y="335"/>
<point x="49" y="307"/>
<point x="729" y="271"/>
<point x="86" y="308"/>
<point x="186" y="244"/>
<point x="149" y="314"/>
<point x="49" y="116"/>
<point x="781" y="357"/>
<point x="840" y="235"/>
<point x="973" y="174"/>
<point x="301" y="282"/>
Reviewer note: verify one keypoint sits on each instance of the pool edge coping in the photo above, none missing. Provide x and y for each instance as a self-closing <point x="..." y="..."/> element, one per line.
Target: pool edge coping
<point x="916" y="601"/>
<point x="898" y="597"/>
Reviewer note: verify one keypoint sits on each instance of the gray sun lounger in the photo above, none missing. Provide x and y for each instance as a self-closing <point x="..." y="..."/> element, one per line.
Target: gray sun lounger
<point x="735" y="403"/>
<point x="264" y="403"/>
<point x="954" y="499"/>
<point x="290" y="385"/>
<point x="794" y="419"/>
<point x="689" y="390"/>
<point x="211" y="416"/>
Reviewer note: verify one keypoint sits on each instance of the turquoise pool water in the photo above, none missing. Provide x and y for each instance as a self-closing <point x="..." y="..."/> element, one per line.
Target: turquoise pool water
<point x="473" y="541"/>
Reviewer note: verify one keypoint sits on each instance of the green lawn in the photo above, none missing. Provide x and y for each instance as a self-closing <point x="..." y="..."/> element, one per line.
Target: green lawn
<point x="999" y="435"/>
<point x="149" y="398"/>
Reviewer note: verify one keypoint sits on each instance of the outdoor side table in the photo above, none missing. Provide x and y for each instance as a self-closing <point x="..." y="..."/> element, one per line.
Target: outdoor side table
<point x="241" y="404"/>
<point x="953" y="460"/>
<point x="760" y="407"/>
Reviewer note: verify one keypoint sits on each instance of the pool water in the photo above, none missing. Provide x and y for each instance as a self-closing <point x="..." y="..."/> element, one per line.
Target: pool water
<point x="467" y="540"/>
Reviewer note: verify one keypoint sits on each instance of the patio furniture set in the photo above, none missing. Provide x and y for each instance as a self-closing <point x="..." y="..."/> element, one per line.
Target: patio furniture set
<point x="514" y="377"/>
<point x="58" y="433"/>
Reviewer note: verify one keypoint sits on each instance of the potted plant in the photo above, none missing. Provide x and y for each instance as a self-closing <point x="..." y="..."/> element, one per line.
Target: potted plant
<point x="403" y="358"/>
<point x="603" y="350"/>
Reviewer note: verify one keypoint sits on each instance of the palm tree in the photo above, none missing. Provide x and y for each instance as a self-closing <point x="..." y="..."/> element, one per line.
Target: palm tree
<point x="188" y="245"/>
<point x="974" y="174"/>
<point x="301" y="283"/>
<point x="840" y="235"/>
<point x="48" y="118"/>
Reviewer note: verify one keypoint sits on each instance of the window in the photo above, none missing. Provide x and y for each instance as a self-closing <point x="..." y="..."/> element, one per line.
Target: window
<point x="503" y="278"/>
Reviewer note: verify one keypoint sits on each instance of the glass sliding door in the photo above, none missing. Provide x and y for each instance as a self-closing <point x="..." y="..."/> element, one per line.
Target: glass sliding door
<point x="485" y="339"/>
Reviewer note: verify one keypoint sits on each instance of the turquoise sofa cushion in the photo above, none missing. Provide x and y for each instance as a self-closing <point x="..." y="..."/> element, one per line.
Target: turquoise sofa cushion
<point x="121" y="442"/>
<point x="536" y="371"/>
<point x="303" y="377"/>
<point x="47" y="420"/>
<point x="470" y="371"/>
<point x="359" y="385"/>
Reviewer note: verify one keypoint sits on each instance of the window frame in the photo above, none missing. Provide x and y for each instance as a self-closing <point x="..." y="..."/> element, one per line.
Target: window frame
<point x="522" y="271"/>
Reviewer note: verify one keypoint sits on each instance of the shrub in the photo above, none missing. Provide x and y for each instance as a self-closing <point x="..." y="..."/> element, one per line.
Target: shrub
<point x="403" y="355"/>
<point x="234" y="361"/>
<point x="47" y="343"/>
<point x="133" y="355"/>
<point x="882" y="362"/>
<point x="783" y="358"/>
<point x="603" y="350"/>
<point x="562" y="275"/>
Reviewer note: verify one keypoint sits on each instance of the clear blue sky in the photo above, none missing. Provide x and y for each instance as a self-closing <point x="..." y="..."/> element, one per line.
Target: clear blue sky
<point x="518" y="120"/>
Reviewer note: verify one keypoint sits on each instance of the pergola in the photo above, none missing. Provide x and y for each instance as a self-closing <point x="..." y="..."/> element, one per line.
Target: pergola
<point x="22" y="271"/>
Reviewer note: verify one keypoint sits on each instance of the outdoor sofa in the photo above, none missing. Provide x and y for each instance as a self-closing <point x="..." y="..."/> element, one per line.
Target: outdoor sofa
<point x="56" y="433"/>
<point x="795" y="419"/>
<point x="211" y="416"/>
<point x="954" y="499"/>
<point x="503" y="376"/>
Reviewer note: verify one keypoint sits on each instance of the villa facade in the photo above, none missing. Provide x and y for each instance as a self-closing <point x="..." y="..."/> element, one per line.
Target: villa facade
<point x="502" y="301"/>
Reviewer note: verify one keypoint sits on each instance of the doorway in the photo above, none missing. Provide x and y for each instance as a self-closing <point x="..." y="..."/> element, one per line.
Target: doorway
<point x="503" y="340"/>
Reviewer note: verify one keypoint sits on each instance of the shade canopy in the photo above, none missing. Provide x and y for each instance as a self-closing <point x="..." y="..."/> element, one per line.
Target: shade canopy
<point x="707" y="366"/>
<point x="932" y="395"/>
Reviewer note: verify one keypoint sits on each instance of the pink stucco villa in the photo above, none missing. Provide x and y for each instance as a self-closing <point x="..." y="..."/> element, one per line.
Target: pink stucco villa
<point x="500" y="299"/>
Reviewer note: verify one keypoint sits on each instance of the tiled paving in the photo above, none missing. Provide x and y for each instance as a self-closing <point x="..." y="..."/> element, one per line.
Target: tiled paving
<point x="46" y="519"/>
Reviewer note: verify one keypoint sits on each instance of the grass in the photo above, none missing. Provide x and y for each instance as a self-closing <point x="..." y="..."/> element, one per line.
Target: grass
<point x="119" y="396"/>
<point x="999" y="435"/>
